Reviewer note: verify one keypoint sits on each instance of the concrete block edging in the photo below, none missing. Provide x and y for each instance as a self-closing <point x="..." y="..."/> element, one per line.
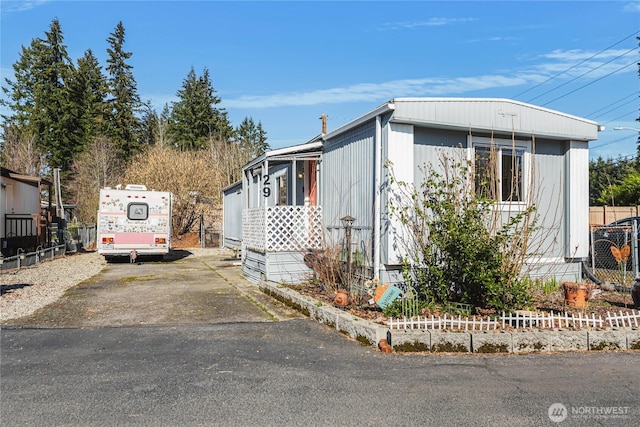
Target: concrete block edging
<point x="478" y="342"/>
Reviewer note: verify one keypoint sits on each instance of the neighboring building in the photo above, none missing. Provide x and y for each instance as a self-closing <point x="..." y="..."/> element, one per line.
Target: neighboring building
<point x="232" y="214"/>
<point x="343" y="174"/>
<point x="24" y="224"/>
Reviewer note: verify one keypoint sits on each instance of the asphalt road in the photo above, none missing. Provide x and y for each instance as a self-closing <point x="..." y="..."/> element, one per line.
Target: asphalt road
<point x="293" y="372"/>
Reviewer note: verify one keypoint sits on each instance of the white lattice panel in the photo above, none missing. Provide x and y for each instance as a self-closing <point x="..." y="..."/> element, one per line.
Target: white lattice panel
<point x="253" y="226"/>
<point x="283" y="228"/>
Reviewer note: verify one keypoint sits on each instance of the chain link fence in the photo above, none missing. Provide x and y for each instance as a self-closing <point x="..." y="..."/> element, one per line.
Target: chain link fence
<point x="615" y="253"/>
<point x="84" y="235"/>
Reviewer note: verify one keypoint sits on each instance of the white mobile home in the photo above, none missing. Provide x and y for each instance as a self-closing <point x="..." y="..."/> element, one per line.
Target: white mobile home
<point x="24" y="224"/>
<point x="349" y="178"/>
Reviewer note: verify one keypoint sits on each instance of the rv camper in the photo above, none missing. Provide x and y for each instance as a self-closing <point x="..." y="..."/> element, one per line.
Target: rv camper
<point x="134" y="222"/>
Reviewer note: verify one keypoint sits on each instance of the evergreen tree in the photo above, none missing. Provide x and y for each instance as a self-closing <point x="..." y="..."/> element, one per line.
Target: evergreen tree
<point x="626" y="192"/>
<point x="21" y="93"/>
<point x="149" y="123"/>
<point x="39" y="99"/>
<point x="88" y="92"/>
<point x="195" y="119"/>
<point x="124" y="99"/>
<point x="162" y="128"/>
<point x="251" y="138"/>
<point x="605" y="175"/>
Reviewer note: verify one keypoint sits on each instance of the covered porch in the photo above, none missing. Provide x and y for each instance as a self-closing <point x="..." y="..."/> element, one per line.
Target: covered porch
<point x="281" y="219"/>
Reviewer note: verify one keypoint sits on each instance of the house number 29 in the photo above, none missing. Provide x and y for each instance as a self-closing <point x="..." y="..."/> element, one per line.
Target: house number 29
<point x="266" y="190"/>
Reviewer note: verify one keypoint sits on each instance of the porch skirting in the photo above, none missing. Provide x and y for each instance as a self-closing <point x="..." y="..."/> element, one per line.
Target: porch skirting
<point x="278" y="267"/>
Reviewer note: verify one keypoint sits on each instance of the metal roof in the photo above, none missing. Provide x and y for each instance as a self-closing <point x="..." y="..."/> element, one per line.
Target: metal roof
<point x="287" y="152"/>
<point x="31" y="180"/>
<point x="481" y="114"/>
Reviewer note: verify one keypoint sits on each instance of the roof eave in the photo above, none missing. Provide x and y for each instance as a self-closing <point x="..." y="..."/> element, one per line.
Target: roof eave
<point x="384" y="108"/>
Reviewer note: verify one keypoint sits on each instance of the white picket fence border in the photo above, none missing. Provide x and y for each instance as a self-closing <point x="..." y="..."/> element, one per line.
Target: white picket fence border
<point x="444" y="322"/>
<point x="540" y="320"/>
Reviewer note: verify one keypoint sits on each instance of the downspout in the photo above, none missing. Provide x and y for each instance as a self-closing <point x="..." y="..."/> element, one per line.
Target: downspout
<point x="376" y="198"/>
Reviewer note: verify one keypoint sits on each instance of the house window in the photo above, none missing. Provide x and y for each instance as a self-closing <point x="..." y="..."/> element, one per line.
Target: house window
<point x="500" y="171"/>
<point x="281" y="183"/>
<point x="512" y="184"/>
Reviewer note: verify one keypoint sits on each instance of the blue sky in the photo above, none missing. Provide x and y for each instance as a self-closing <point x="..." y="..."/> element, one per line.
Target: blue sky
<point x="286" y="63"/>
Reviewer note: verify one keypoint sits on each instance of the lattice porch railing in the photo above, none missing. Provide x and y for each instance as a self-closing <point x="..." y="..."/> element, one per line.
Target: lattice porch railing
<point x="282" y="228"/>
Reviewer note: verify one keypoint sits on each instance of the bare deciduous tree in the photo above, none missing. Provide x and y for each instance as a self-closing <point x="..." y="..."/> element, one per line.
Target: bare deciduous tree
<point x="21" y="154"/>
<point x="230" y="159"/>
<point x="193" y="180"/>
<point x="99" y="166"/>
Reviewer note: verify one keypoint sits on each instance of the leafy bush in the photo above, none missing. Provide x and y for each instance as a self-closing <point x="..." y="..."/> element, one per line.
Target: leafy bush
<point x="457" y="250"/>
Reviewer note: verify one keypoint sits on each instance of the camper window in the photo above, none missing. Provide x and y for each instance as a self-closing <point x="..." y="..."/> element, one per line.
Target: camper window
<point x="139" y="211"/>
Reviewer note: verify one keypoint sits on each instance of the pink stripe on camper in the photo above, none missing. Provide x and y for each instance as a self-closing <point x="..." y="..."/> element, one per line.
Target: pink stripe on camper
<point x="129" y="238"/>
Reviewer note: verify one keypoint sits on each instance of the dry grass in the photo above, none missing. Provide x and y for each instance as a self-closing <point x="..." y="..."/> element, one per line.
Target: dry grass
<point x="186" y="241"/>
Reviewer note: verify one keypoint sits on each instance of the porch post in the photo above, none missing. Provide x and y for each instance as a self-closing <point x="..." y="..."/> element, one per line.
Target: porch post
<point x="294" y="187"/>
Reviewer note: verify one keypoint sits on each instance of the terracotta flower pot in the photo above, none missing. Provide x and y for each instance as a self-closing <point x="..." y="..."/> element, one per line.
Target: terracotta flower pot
<point x="576" y="294"/>
<point x="341" y="299"/>
<point x="384" y="346"/>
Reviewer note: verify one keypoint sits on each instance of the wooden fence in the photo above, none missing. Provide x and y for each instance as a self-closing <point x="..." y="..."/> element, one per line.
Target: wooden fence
<point x="601" y="215"/>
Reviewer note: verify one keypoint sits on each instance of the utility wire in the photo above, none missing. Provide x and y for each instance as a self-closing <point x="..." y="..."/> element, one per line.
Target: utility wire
<point x="574" y="66"/>
<point x="582" y="75"/>
<point x="614" y="109"/>
<point x="624" y="115"/>
<point x="635" y="95"/>
<point x="589" y="84"/>
<point x="615" y="141"/>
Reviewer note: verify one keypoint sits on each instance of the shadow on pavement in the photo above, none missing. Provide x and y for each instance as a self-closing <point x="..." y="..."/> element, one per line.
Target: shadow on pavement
<point x="174" y="255"/>
<point x="8" y="288"/>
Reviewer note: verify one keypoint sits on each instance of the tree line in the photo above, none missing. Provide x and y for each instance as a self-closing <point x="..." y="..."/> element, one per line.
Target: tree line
<point x="91" y="123"/>
<point x="614" y="182"/>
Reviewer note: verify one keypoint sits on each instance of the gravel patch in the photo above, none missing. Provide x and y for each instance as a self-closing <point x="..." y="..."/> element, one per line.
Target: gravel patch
<point x="26" y="290"/>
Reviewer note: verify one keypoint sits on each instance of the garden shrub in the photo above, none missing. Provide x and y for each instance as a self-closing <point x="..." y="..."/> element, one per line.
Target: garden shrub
<point x="457" y="250"/>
